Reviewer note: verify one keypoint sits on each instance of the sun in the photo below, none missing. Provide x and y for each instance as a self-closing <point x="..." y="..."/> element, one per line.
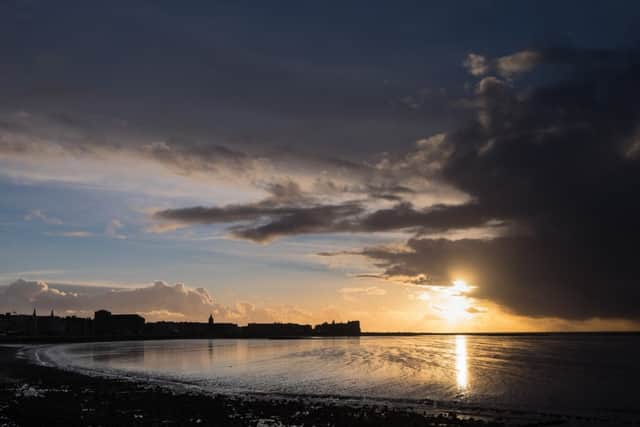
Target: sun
<point x="450" y="303"/>
<point x="455" y="305"/>
<point x="460" y="286"/>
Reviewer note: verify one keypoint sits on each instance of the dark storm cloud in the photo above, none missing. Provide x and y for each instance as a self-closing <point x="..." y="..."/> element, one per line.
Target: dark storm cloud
<point x="315" y="219"/>
<point x="530" y="276"/>
<point x="219" y="72"/>
<point x="558" y="161"/>
<point x="269" y="219"/>
<point x="255" y="211"/>
<point x="435" y="218"/>
<point x="388" y="192"/>
<point x="287" y="211"/>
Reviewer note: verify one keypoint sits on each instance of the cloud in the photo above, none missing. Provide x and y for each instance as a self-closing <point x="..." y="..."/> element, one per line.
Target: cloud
<point x="159" y="301"/>
<point x="112" y="229"/>
<point x="507" y="66"/>
<point x="548" y="172"/>
<point x="477" y="65"/>
<point x="368" y="291"/>
<point x="585" y="59"/>
<point x="30" y="290"/>
<point x="266" y="222"/>
<point x="45" y="136"/>
<point x="73" y="234"/>
<point x="290" y="211"/>
<point x="522" y="274"/>
<point x="37" y="136"/>
<point x="186" y="157"/>
<point x="548" y="168"/>
<point x="77" y="150"/>
<point x="37" y="214"/>
<point x="315" y="219"/>
<point x="355" y="294"/>
<point x="161" y="296"/>
<point x="281" y="219"/>
<point x="552" y="163"/>
<point x="476" y="310"/>
<point x="518" y="62"/>
<point x="23" y="296"/>
<point x="165" y="227"/>
<point x="286" y="211"/>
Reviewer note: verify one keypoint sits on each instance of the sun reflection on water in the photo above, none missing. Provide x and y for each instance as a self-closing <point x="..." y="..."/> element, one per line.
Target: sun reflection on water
<point x="461" y="362"/>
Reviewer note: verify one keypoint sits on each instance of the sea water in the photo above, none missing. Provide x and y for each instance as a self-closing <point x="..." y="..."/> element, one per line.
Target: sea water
<point x="562" y="372"/>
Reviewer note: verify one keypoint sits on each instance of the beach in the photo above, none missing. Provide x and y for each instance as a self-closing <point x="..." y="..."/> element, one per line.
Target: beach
<point x="31" y="394"/>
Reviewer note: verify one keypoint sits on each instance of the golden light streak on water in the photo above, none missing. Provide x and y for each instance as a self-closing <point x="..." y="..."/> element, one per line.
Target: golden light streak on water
<point x="461" y="362"/>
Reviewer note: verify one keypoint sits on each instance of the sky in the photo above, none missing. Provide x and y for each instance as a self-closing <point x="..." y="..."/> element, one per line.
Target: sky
<point x="419" y="166"/>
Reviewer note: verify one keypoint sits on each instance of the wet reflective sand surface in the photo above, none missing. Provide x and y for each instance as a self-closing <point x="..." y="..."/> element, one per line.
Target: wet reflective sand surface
<point x="554" y="372"/>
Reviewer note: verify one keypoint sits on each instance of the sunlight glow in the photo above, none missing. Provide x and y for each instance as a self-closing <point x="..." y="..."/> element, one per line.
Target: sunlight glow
<point x="460" y="286"/>
<point x="455" y="309"/>
<point x="455" y="304"/>
<point x="424" y="296"/>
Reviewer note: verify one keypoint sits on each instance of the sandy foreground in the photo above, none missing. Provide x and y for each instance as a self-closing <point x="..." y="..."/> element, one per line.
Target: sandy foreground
<point x="32" y="394"/>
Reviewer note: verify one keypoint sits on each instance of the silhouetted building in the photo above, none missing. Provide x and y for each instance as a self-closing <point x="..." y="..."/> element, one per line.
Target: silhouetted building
<point x="18" y="324"/>
<point x="333" y="329"/>
<point x="50" y="326"/>
<point x="192" y="329"/>
<point x="224" y="330"/>
<point x="176" y="330"/>
<point x="4" y="323"/>
<point x="33" y="324"/>
<point x="113" y="326"/>
<point x="123" y="325"/>
<point x="78" y="327"/>
<point x="268" y="330"/>
<point x="44" y="326"/>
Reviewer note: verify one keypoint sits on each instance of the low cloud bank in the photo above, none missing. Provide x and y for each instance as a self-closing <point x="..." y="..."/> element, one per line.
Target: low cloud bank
<point x="159" y="301"/>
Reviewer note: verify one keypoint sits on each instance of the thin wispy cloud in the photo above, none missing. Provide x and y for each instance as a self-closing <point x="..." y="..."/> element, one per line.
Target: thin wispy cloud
<point x="73" y="234"/>
<point x="38" y="215"/>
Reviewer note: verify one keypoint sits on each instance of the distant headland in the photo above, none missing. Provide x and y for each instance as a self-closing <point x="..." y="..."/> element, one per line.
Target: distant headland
<point x="108" y="326"/>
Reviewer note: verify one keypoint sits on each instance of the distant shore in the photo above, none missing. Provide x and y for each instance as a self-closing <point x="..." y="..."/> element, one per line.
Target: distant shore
<point x="498" y="334"/>
<point x="11" y="339"/>
<point x="31" y="394"/>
